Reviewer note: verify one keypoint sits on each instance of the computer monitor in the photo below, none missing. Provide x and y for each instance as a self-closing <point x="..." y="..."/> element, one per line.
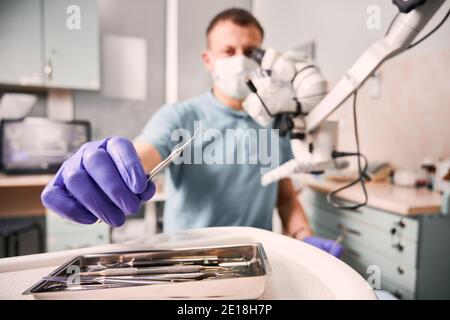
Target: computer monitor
<point x="39" y="145"/>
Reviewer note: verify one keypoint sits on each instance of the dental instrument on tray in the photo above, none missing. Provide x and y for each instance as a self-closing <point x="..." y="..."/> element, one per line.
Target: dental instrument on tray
<point x="171" y="158"/>
<point x="151" y="270"/>
<point x="116" y="282"/>
<point x="149" y="275"/>
<point x="178" y="277"/>
<point x="201" y="260"/>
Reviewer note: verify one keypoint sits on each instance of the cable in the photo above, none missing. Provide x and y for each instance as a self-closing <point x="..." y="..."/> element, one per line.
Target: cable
<point x="431" y="32"/>
<point x="331" y="195"/>
<point x="362" y="170"/>
<point x="391" y="24"/>
<point x="412" y="45"/>
<point x="253" y="89"/>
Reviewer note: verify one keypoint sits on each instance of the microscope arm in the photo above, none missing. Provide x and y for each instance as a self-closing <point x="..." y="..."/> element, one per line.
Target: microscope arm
<point x="403" y="32"/>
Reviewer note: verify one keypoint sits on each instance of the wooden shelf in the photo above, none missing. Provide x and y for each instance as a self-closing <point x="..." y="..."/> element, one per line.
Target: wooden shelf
<point x="29" y="180"/>
<point x="20" y="195"/>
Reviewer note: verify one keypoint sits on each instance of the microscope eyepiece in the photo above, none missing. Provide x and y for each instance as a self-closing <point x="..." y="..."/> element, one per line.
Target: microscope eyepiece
<point x="257" y="55"/>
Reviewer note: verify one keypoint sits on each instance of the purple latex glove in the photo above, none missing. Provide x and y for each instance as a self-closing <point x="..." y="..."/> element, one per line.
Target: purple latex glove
<point x="103" y="180"/>
<point x="327" y="245"/>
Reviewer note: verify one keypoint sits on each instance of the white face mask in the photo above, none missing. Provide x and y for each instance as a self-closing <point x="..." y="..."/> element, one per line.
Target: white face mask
<point x="230" y="75"/>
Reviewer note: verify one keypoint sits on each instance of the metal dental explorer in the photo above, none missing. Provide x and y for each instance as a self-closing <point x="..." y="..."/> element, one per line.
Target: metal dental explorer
<point x="171" y="158"/>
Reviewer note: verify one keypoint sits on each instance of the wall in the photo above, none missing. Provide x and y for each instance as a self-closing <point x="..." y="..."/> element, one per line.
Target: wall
<point x="338" y="28"/>
<point x="409" y="120"/>
<point x="192" y="17"/>
<point x="147" y="19"/>
<point x="111" y="116"/>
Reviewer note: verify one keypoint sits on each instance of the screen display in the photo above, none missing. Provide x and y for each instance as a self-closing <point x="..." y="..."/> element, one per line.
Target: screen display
<point x="39" y="144"/>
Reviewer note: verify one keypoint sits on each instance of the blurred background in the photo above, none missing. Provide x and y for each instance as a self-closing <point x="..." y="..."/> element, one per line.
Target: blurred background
<point x="64" y="81"/>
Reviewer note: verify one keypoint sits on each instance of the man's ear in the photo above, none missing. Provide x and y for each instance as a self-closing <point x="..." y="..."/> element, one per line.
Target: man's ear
<point x="207" y="60"/>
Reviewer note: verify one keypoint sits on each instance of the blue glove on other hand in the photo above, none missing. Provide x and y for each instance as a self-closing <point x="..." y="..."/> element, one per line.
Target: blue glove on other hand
<point x="327" y="245"/>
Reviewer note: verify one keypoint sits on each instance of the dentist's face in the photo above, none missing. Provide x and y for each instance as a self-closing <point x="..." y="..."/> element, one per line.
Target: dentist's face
<point x="227" y="39"/>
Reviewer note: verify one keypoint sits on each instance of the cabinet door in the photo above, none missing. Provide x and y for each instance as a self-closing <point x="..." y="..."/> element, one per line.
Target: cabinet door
<point x="21" y="60"/>
<point x="71" y="44"/>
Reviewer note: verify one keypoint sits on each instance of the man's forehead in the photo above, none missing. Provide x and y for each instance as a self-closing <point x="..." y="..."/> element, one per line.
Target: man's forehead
<point x="227" y="33"/>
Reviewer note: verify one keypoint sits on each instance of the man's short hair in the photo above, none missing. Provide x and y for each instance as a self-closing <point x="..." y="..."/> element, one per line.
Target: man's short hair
<point x="240" y="17"/>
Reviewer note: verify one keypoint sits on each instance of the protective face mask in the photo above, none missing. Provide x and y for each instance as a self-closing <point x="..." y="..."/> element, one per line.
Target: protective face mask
<point x="230" y="75"/>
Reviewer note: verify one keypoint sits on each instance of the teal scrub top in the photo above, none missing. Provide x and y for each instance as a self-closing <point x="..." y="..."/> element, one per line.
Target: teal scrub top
<point x="216" y="181"/>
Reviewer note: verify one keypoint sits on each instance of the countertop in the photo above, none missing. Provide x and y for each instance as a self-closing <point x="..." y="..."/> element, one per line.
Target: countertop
<point x="20" y="195"/>
<point x="400" y="200"/>
<point x="384" y="196"/>
<point x="26" y="180"/>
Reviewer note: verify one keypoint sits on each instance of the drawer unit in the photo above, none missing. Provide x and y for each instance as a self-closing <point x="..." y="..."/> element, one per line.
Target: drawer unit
<point x="75" y="241"/>
<point x="58" y="225"/>
<point x="381" y="241"/>
<point x="412" y="252"/>
<point x="397" y="291"/>
<point x="64" y="234"/>
<point x="357" y="254"/>
<point x="406" y="228"/>
<point x="395" y="288"/>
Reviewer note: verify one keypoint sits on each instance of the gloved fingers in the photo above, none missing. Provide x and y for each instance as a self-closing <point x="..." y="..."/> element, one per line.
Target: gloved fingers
<point x="328" y="245"/>
<point x="336" y="250"/>
<point x="149" y="192"/>
<point x="128" y="163"/>
<point x="332" y="247"/>
<point x="83" y="188"/>
<point x="59" y="201"/>
<point x="101" y="168"/>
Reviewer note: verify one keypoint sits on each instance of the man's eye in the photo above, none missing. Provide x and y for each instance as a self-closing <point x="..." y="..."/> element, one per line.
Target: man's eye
<point x="229" y="52"/>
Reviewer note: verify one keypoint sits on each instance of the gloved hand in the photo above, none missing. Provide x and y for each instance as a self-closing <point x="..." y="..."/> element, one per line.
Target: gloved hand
<point x="103" y="180"/>
<point x="327" y="245"/>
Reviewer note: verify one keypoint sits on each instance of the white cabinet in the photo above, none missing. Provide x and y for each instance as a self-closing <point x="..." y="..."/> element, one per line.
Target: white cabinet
<point x="71" y="44"/>
<point x="20" y="43"/>
<point x="50" y="43"/>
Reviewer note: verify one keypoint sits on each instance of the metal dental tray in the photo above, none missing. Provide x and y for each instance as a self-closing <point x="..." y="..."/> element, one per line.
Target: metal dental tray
<point x="229" y="272"/>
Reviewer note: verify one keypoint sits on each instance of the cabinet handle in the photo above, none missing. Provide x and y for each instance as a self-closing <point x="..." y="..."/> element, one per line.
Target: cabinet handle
<point x="397" y="293"/>
<point x="348" y="230"/>
<point x="399" y="246"/>
<point x="400" y="270"/>
<point x="401" y="223"/>
<point x="48" y="70"/>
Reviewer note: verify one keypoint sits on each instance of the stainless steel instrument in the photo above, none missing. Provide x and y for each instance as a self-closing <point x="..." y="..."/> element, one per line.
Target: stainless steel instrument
<point x="171" y="158"/>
